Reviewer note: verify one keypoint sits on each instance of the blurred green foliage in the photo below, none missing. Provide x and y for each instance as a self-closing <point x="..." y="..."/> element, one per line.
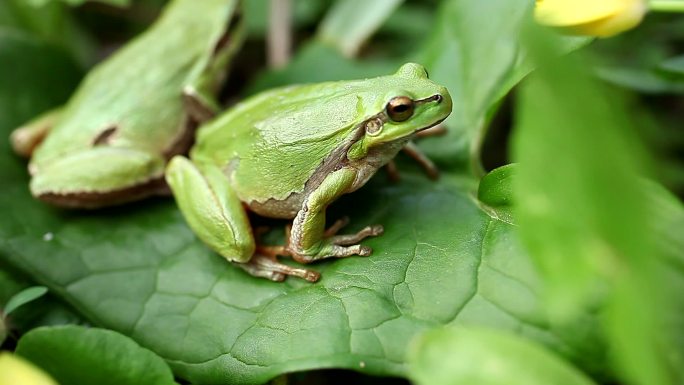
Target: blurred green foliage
<point x="568" y="264"/>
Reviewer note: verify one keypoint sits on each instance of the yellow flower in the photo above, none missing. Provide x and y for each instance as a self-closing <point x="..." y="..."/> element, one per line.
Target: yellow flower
<point x="601" y="18"/>
<point x="15" y="371"/>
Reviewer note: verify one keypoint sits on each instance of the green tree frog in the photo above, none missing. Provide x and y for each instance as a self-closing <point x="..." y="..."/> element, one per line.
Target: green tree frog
<point x="289" y="153"/>
<point x="134" y="111"/>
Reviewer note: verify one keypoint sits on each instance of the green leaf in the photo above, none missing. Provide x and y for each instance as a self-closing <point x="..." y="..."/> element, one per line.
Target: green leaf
<point x="482" y="356"/>
<point x="674" y="65"/>
<point x="641" y="80"/>
<point x="23" y="297"/>
<point x="496" y="188"/>
<point x="496" y="192"/>
<point x="474" y="63"/>
<point x="48" y="310"/>
<point x="348" y="24"/>
<point x="77" y="355"/>
<point x="139" y="270"/>
<point x="585" y="215"/>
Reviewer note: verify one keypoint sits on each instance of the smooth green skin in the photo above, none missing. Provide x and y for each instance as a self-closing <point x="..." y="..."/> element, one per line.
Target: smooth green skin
<point x="111" y="141"/>
<point x="289" y="153"/>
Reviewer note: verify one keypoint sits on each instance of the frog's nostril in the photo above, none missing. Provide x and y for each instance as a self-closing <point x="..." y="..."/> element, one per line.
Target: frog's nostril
<point x="438" y="98"/>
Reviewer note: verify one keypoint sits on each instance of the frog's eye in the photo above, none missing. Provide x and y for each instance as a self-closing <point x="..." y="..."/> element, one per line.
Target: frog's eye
<point x="399" y="108"/>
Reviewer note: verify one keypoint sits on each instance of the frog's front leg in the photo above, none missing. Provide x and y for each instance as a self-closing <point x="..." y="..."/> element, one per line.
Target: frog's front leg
<point x="215" y="214"/>
<point x="308" y="241"/>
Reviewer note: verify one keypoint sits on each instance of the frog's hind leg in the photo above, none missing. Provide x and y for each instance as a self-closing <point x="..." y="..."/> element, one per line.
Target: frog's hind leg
<point x="216" y="215"/>
<point x="26" y="138"/>
<point x="97" y="177"/>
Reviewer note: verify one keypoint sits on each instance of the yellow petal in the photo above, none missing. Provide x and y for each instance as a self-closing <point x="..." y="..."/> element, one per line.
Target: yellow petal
<point x="591" y="17"/>
<point x="17" y="371"/>
<point x="563" y="13"/>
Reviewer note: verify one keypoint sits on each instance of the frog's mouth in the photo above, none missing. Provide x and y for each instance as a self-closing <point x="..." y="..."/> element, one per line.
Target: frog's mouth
<point x="430" y="126"/>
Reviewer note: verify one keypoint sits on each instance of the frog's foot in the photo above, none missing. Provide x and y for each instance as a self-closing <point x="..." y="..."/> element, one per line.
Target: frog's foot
<point x="337" y="246"/>
<point x="264" y="264"/>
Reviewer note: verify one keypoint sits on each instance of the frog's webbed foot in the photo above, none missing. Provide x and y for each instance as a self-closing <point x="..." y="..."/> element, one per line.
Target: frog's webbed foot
<point x="336" y="246"/>
<point x="264" y="263"/>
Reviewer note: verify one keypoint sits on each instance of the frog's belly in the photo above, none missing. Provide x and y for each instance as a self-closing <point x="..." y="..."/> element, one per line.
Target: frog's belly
<point x="272" y="208"/>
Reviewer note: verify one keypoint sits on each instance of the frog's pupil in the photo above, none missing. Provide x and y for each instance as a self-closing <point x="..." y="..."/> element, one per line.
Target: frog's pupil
<point x="401" y="108"/>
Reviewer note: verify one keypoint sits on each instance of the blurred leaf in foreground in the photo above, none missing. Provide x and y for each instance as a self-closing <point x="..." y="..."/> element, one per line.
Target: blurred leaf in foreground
<point x="583" y="211"/>
<point x="75" y="355"/>
<point x="479" y="356"/>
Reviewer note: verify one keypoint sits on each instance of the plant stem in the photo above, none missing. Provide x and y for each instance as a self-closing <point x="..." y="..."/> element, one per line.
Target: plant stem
<point x="666" y="5"/>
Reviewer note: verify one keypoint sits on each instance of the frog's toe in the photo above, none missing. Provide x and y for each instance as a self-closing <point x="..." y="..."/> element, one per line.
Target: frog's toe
<point x="268" y="267"/>
<point x="350" y="239"/>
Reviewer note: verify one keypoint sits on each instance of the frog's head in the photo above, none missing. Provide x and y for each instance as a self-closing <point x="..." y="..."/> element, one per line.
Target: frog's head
<point x="411" y="103"/>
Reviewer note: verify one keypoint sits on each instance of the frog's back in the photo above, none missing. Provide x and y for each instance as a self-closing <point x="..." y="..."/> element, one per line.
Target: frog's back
<point x="135" y="103"/>
<point x="271" y="144"/>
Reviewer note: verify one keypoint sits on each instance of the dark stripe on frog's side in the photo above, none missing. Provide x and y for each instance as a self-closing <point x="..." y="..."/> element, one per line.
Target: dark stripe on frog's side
<point x="287" y="208"/>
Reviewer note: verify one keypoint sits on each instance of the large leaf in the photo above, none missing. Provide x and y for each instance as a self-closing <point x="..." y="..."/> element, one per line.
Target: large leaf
<point x="139" y="270"/>
<point x="76" y="355"/>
